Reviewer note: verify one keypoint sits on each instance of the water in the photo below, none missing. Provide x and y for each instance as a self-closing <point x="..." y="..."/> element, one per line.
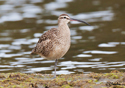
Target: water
<point x="95" y="48"/>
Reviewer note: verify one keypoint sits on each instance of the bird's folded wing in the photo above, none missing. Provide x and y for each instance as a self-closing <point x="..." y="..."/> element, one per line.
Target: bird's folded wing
<point x="44" y="44"/>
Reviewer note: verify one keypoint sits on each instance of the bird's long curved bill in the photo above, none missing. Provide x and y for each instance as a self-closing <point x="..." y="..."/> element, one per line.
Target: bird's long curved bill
<point x="72" y="19"/>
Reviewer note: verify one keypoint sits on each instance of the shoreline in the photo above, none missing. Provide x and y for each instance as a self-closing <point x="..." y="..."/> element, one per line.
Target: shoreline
<point x="114" y="79"/>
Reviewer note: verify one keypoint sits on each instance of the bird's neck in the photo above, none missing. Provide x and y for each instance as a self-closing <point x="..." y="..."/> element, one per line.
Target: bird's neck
<point x="64" y="34"/>
<point x="63" y="28"/>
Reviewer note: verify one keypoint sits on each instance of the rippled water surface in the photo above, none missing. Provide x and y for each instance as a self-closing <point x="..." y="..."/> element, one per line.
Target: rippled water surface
<point x="96" y="48"/>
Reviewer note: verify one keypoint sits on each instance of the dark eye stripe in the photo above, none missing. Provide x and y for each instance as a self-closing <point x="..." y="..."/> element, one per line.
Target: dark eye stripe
<point x="61" y="17"/>
<point x="64" y="18"/>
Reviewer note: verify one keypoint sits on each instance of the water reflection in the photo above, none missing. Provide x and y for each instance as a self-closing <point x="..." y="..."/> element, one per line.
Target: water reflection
<point x="87" y="28"/>
<point x="100" y="52"/>
<point x="96" y="48"/>
<point x="84" y="55"/>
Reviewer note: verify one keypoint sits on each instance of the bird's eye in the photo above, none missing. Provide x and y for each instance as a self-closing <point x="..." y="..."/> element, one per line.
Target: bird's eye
<point x="64" y="17"/>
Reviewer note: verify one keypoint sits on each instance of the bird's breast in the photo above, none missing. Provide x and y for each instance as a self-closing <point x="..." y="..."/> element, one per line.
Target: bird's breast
<point x="61" y="43"/>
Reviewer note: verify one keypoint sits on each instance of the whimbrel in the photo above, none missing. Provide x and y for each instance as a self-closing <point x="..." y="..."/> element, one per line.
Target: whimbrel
<point x="54" y="43"/>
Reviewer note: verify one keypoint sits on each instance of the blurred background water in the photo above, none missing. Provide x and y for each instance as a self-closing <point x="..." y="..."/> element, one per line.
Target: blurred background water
<point x="96" y="48"/>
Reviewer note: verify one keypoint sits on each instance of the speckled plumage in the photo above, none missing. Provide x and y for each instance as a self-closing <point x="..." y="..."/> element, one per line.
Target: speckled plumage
<point x="45" y="43"/>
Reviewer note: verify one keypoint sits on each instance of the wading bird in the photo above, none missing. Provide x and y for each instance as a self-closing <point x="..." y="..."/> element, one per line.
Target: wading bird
<point x="54" y="43"/>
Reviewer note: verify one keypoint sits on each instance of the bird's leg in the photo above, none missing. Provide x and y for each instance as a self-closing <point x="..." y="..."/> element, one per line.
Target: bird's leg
<point x="55" y="67"/>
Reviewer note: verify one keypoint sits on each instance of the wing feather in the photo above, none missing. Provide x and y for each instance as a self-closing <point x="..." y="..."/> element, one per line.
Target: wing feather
<point x="44" y="45"/>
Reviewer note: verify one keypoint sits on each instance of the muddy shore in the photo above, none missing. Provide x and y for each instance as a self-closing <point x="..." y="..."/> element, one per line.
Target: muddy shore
<point x="114" y="79"/>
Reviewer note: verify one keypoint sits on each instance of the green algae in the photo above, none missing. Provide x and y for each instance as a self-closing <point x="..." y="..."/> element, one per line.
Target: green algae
<point x="114" y="79"/>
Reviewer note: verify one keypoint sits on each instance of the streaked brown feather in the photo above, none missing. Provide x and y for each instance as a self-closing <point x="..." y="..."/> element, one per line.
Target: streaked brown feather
<point x="44" y="45"/>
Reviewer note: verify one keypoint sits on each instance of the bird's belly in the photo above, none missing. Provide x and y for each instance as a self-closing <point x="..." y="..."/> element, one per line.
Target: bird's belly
<point x="59" y="51"/>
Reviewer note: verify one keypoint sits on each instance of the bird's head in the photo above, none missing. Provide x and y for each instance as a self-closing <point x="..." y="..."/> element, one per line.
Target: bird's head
<point x="64" y="18"/>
